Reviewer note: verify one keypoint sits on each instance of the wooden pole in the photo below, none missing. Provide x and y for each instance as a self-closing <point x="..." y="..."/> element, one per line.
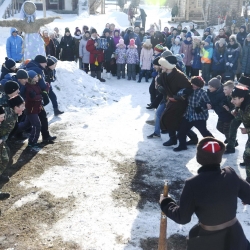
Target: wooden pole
<point x="44" y="8"/>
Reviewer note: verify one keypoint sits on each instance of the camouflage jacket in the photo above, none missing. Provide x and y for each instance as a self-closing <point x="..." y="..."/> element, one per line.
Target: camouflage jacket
<point x="243" y="114"/>
<point x="4" y="100"/>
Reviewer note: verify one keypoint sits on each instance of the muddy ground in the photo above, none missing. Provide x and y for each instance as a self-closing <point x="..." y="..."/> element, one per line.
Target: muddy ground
<point x="21" y="227"/>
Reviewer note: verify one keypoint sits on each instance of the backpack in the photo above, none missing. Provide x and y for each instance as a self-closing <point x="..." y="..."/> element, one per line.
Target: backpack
<point x="102" y="44"/>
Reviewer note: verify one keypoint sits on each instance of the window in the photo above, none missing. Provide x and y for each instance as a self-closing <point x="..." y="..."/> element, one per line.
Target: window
<point x="199" y="3"/>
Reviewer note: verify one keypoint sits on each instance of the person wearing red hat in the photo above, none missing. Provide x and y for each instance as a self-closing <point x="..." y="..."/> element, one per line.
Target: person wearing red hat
<point x="212" y="195"/>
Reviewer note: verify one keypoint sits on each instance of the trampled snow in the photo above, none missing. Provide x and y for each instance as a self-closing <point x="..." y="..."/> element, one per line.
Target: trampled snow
<point x="107" y="121"/>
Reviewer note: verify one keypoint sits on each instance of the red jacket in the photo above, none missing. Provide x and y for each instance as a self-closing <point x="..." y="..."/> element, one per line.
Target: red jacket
<point x="94" y="53"/>
<point x="33" y="98"/>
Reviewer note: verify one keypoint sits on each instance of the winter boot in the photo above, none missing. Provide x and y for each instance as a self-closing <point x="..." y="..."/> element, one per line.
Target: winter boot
<point x="57" y="112"/>
<point x="98" y="73"/>
<point x="4" y="178"/>
<point x="50" y="139"/>
<point x="140" y="77"/>
<point x="172" y="141"/>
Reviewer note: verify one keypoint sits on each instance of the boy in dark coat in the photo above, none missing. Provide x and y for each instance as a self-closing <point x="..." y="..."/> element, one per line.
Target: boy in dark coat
<point x="8" y="67"/>
<point x="212" y="195"/>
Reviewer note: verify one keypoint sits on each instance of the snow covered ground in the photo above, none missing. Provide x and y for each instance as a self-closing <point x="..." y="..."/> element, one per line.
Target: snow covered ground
<point x="106" y="125"/>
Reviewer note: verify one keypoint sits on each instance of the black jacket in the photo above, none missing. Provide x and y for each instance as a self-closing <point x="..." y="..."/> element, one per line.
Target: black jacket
<point x="67" y="45"/>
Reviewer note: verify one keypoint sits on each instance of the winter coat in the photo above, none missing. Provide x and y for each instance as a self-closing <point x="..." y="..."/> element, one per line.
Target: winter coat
<point x="169" y="41"/>
<point x="171" y="84"/>
<point x="5" y="71"/>
<point x="14" y="46"/>
<point x="217" y="100"/>
<point x="132" y="55"/>
<point x="116" y="38"/>
<point x="77" y="40"/>
<point x="207" y="53"/>
<point x="196" y="58"/>
<point x="50" y="48"/>
<point x="95" y="55"/>
<point x="241" y="36"/>
<point x="83" y="53"/>
<point x="157" y="38"/>
<point x="246" y="58"/>
<point x="57" y="47"/>
<point x="218" y="63"/>
<point x="50" y="75"/>
<point x="111" y="49"/>
<point x="143" y="14"/>
<point x="120" y="53"/>
<point x="186" y="49"/>
<point x="212" y="195"/>
<point x="196" y="33"/>
<point x="129" y="35"/>
<point x="146" y="56"/>
<point x="33" y="98"/>
<point x="175" y="49"/>
<point x="67" y="45"/>
<point x="232" y="54"/>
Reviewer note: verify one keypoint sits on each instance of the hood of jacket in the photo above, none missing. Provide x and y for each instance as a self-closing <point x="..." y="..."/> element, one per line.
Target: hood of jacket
<point x="233" y="46"/>
<point x="12" y="30"/>
<point x="147" y="46"/>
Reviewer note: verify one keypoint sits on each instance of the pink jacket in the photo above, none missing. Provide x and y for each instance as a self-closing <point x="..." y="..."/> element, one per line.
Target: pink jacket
<point x="186" y="49"/>
<point x="146" y="57"/>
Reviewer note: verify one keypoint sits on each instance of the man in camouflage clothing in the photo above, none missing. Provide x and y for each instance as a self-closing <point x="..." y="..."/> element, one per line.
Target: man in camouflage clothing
<point x="241" y="100"/>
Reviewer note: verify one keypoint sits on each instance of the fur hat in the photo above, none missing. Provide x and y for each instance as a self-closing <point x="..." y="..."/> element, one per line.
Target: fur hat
<point x="9" y="63"/>
<point x="32" y="74"/>
<point x="198" y="81"/>
<point x="244" y="80"/>
<point x="209" y="151"/>
<point x="1" y="110"/>
<point x="159" y="48"/>
<point x="240" y="91"/>
<point x="215" y="82"/>
<point x="40" y="59"/>
<point x="51" y="60"/>
<point x="10" y="87"/>
<point x="168" y="62"/>
<point x="15" y="101"/>
<point x="22" y="74"/>
<point x="132" y="42"/>
<point x="148" y="42"/>
<point x="67" y="30"/>
<point x="156" y="61"/>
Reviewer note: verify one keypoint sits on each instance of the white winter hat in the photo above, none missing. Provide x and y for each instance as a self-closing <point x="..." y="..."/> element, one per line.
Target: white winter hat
<point x="148" y="42"/>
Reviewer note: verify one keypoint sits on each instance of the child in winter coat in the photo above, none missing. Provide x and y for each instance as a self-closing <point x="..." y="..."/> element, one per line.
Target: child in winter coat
<point x="175" y="49"/>
<point x="186" y="49"/>
<point x="132" y="59"/>
<point x="120" y="55"/>
<point x="196" y="63"/>
<point x="83" y="53"/>
<point x="146" y="60"/>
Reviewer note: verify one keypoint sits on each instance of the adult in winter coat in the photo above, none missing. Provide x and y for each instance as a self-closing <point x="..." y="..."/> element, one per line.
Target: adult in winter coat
<point x="196" y="64"/>
<point x="241" y="36"/>
<point x="156" y="38"/>
<point x="49" y="44"/>
<point x="8" y="67"/>
<point x="77" y="39"/>
<point x="186" y="49"/>
<point x="108" y="53"/>
<point x="131" y="35"/>
<point x="83" y="53"/>
<point x="116" y="37"/>
<point x="212" y="195"/>
<point x="246" y="57"/>
<point x="232" y="55"/>
<point x="218" y="64"/>
<point x="67" y="46"/>
<point x="120" y="55"/>
<point x="143" y="17"/>
<point x="146" y="60"/>
<point x="96" y="56"/>
<point x="56" y="43"/>
<point x="221" y="35"/>
<point x="14" y="46"/>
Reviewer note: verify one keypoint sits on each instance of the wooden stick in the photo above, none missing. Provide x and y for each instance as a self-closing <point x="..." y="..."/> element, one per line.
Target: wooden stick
<point x="162" y="243"/>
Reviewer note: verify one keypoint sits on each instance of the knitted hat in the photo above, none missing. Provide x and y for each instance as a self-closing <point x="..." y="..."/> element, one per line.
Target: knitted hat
<point x="132" y="42"/>
<point x="121" y="42"/>
<point x="222" y="41"/>
<point x="77" y="30"/>
<point x="32" y="74"/>
<point x="210" y="151"/>
<point x="207" y="30"/>
<point x="10" y="87"/>
<point x="198" y="81"/>
<point x="159" y="48"/>
<point x="51" y="60"/>
<point x="15" y="101"/>
<point x="1" y="110"/>
<point x="156" y="61"/>
<point x="148" y="42"/>
<point x="93" y="31"/>
<point x="208" y="39"/>
<point x="166" y="53"/>
<point x="106" y="31"/>
<point x="240" y="91"/>
<point x="67" y="30"/>
<point x="244" y="80"/>
<point x="40" y="59"/>
<point x="215" y="82"/>
<point x="22" y="74"/>
<point x="168" y="62"/>
<point x="189" y="34"/>
<point x="9" y="63"/>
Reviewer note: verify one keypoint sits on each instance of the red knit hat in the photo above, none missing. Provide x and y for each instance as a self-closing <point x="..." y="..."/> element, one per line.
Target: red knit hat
<point x="132" y="42"/>
<point x="211" y="146"/>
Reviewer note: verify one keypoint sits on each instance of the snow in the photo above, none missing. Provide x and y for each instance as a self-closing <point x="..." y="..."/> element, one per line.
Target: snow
<point x="107" y="121"/>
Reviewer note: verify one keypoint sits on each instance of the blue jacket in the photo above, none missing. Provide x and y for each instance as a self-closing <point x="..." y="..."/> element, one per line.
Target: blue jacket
<point x="196" y="58"/>
<point x="241" y="36"/>
<point x="129" y="35"/>
<point x="14" y="46"/>
<point x="232" y="55"/>
<point x="218" y="63"/>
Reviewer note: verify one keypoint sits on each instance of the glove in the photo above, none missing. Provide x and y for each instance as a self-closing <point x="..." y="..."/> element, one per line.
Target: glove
<point x="32" y="94"/>
<point x="197" y="110"/>
<point x="227" y="63"/>
<point x="231" y="65"/>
